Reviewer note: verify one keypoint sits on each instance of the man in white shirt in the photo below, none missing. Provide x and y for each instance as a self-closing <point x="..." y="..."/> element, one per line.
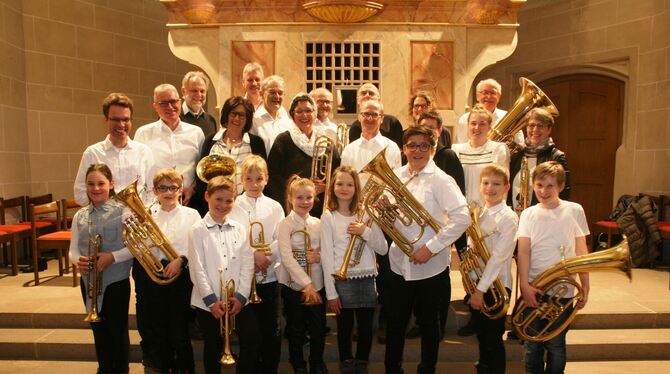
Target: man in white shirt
<point x="175" y="144"/>
<point x="128" y="160"/>
<point x="271" y="119"/>
<point x="194" y="88"/>
<point x="252" y="76"/>
<point x="489" y="92"/>
<point x="324" y="109"/>
<point x="390" y="126"/>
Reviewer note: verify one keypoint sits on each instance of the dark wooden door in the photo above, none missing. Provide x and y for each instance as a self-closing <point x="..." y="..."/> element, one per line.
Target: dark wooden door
<point x="589" y="131"/>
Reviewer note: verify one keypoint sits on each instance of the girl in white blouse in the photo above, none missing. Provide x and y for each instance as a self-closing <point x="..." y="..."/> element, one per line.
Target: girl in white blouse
<point x="301" y="276"/>
<point x="356" y="296"/>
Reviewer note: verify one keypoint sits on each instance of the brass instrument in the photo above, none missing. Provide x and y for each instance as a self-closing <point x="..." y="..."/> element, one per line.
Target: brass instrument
<point x="322" y="163"/>
<point x="531" y="97"/>
<point x="226" y="293"/>
<point x="259" y="244"/>
<point x="141" y="234"/>
<point x="342" y="136"/>
<point x="473" y="262"/>
<point x="356" y="245"/>
<point x="555" y="282"/>
<point x="524" y="190"/>
<point x="406" y="210"/>
<point x="94" y="279"/>
<point x="300" y="255"/>
<point x="214" y="165"/>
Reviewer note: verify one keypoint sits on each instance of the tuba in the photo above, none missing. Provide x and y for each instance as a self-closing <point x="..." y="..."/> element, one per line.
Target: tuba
<point x="473" y="262"/>
<point x="141" y="234"/>
<point x="342" y="136"/>
<point x="406" y="210"/>
<point x="322" y="163"/>
<point x="556" y="280"/>
<point x="94" y="279"/>
<point x="531" y="97"/>
<point x="226" y="293"/>
<point x="259" y="245"/>
<point x="214" y="165"/>
<point x="355" y="246"/>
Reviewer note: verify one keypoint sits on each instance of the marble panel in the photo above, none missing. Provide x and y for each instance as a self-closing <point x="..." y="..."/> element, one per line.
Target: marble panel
<point x="244" y="52"/>
<point x="432" y="71"/>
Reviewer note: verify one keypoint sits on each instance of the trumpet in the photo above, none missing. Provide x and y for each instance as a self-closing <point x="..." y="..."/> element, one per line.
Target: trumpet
<point x="227" y="292"/>
<point x="322" y="163"/>
<point x="356" y="245"/>
<point x="524" y="190"/>
<point x="94" y="279"/>
<point x="259" y="244"/>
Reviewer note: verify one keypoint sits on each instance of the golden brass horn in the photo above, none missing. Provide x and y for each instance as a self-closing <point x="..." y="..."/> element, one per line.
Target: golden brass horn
<point x="342" y="136"/>
<point x="355" y="246"/>
<point x="214" y="165"/>
<point x="259" y="244"/>
<point x="94" y="279"/>
<point x="227" y="292"/>
<point x="555" y="281"/>
<point x="322" y="163"/>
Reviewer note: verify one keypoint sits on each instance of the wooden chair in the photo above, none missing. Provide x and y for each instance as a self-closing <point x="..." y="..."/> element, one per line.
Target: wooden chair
<point x="58" y="240"/>
<point x="13" y="232"/>
<point x="69" y="207"/>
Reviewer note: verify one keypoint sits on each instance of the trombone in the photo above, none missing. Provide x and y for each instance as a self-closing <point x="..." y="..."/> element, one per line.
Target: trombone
<point x="94" y="279"/>
<point x="227" y="292"/>
<point x="259" y="244"/>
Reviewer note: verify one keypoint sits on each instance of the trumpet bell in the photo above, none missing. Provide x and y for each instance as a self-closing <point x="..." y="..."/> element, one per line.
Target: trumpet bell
<point x="93" y="316"/>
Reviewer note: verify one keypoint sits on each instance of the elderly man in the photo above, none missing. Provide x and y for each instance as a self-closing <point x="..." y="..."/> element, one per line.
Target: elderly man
<point x="489" y="92"/>
<point x="271" y="119"/>
<point x="174" y="143"/>
<point x="128" y="160"/>
<point x="194" y="88"/>
<point x="390" y="127"/>
<point x="252" y="76"/>
<point x="324" y="109"/>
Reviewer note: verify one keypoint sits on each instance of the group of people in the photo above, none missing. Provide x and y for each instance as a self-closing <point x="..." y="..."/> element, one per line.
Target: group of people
<point x="272" y="232"/>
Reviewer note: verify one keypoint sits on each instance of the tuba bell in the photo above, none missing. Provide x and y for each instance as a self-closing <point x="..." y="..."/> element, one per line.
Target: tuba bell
<point x="473" y="262"/>
<point x="531" y="97"/>
<point x="556" y="281"/>
<point x="322" y="163"/>
<point x="214" y="165"/>
<point x="141" y="234"/>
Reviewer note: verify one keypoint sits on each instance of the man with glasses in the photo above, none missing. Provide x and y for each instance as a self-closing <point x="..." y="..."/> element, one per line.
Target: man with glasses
<point x="194" y="88"/>
<point x="174" y="143"/>
<point x="271" y="119"/>
<point x="128" y="160"/>
<point x="390" y="126"/>
<point x="324" y="109"/>
<point x="489" y="92"/>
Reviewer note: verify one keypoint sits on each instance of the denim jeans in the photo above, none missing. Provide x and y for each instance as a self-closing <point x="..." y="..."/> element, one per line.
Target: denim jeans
<point x="555" y="348"/>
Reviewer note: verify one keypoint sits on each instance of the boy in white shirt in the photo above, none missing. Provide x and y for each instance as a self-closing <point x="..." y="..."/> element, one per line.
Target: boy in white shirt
<point x="549" y="232"/>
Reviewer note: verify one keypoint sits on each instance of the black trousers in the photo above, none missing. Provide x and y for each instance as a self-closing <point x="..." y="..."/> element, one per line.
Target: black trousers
<point x="299" y="318"/>
<point x="248" y="335"/>
<point x="345" y="325"/>
<point x="490" y="336"/>
<point x="266" y="314"/>
<point x="112" y="343"/>
<point x="425" y="297"/>
<point x="162" y="313"/>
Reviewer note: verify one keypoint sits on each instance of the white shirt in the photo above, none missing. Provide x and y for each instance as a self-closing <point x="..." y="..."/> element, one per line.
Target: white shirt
<point x="269" y="213"/>
<point x="498" y="225"/>
<point x="134" y="161"/>
<point x="179" y="149"/>
<point x="290" y="269"/>
<point x="268" y="128"/>
<point x="497" y="115"/>
<point x="548" y="230"/>
<point x="175" y="225"/>
<point x="474" y="159"/>
<point x="439" y="194"/>
<point x="361" y="151"/>
<point x="213" y="247"/>
<point x="334" y="242"/>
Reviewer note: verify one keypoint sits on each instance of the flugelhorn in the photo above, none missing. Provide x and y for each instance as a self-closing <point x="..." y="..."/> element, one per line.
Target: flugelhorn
<point x="322" y="163"/>
<point x="259" y="244"/>
<point x="355" y="246"/>
<point x="214" y="165"/>
<point x="141" y="234"/>
<point x="94" y="279"/>
<point x="531" y="97"/>
<point x="555" y="282"/>
<point x="406" y="209"/>
<point x="226" y="293"/>
<point x="473" y="262"/>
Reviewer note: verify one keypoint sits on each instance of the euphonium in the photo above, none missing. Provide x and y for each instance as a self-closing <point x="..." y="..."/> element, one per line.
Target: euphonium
<point x="214" y="165"/>
<point x="141" y="234"/>
<point x="226" y="293"/>
<point x="322" y="163"/>
<point x="531" y="97"/>
<point x="259" y="244"/>
<point x="355" y="246"/>
<point x="406" y="209"/>
<point x="473" y="263"/>
<point x="94" y="279"/>
<point x="555" y="282"/>
<point x="342" y="136"/>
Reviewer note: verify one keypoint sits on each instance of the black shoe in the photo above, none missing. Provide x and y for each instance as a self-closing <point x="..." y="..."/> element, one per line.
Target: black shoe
<point x="466" y="330"/>
<point x="413" y="333"/>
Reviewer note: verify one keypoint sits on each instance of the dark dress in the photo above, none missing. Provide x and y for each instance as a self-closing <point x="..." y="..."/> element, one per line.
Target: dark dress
<point x="390" y="128"/>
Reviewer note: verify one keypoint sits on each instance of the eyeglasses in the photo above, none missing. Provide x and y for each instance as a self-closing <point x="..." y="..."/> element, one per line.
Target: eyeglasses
<point x="168" y="188"/>
<point x="119" y="120"/>
<point x="166" y="103"/>
<point x="420" y="106"/>
<point x="423" y="147"/>
<point x="370" y="115"/>
<point x="539" y="126"/>
<point x="487" y="92"/>
<point x="237" y="114"/>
